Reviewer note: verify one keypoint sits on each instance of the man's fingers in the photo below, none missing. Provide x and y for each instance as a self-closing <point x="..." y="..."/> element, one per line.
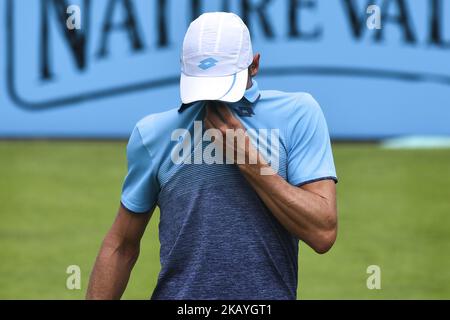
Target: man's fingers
<point x="227" y="116"/>
<point x="208" y="124"/>
<point x="214" y="119"/>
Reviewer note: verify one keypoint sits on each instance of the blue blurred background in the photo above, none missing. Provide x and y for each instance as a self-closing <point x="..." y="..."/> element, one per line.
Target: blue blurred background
<point x="123" y="63"/>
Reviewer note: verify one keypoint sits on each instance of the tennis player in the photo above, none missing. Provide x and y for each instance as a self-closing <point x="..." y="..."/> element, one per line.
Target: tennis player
<point x="228" y="229"/>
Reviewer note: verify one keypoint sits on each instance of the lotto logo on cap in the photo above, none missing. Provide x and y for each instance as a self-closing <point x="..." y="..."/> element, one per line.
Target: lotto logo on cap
<point x="217" y="52"/>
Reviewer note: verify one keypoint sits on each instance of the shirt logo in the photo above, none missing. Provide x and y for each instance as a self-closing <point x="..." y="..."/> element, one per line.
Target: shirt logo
<point x="207" y="63"/>
<point x="245" y="111"/>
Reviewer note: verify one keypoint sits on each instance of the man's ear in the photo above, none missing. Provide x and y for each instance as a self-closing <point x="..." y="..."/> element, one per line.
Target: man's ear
<point x="254" y="67"/>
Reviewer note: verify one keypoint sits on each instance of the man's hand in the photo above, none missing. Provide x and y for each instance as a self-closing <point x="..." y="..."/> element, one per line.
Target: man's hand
<point x="237" y="145"/>
<point x="309" y="212"/>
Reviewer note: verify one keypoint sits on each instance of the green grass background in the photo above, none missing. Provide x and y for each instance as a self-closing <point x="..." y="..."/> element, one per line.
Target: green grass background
<point x="57" y="200"/>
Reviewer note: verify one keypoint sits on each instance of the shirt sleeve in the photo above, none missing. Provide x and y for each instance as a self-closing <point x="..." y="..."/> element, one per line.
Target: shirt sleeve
<point x="140" y="189"/>
<point x="310" y="157"/>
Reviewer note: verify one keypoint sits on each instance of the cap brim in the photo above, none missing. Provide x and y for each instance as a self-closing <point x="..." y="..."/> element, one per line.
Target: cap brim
<point x="227" y="88"/>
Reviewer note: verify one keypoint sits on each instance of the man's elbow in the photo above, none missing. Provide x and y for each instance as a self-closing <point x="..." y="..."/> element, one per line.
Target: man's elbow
<point x="326" y="238"/>
<point x="325" y="242"/>
<point x="126" y="250"/>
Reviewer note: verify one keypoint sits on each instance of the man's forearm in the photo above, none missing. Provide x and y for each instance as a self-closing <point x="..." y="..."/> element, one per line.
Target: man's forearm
<point x="307" y="215"/>
<point x="308" y="212"/>
<point x="111" y="272"/>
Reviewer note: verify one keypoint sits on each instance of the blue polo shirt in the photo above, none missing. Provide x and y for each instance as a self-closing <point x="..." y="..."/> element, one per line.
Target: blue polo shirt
<point x="218" y="239"/>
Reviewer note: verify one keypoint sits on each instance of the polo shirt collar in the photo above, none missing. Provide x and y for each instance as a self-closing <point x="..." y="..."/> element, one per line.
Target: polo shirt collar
<point x="251" y="96"/>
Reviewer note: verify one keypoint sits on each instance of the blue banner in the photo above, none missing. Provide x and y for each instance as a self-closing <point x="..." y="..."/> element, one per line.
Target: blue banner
<point x="123" y="62"/>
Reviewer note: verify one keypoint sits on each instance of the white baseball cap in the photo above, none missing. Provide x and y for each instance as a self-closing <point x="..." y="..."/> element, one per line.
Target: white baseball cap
<point x="217" y="52"/>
